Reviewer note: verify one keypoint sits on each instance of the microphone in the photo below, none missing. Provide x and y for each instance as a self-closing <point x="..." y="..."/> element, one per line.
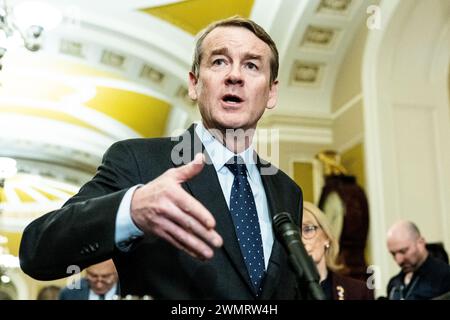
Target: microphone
<point x="288" y="234"/>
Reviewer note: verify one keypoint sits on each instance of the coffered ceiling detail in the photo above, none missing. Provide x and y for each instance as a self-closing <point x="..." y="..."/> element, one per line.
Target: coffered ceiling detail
<point x="117" y="69"/>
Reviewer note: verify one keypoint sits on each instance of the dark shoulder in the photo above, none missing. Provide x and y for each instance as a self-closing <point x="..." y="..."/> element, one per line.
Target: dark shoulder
<point x="141" y="143"/>
<point x="435" y="265"/>
<point x="350" y="288"/>
<point x="69" y="293"/>
<point x="137" y="149"/>
<point x="348" y="281"/>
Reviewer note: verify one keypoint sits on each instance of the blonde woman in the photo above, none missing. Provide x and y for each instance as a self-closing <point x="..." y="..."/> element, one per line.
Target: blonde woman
<point x="322" y="246"/>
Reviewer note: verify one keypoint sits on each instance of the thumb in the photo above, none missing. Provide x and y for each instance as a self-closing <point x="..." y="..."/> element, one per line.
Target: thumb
<point x="190" y="169"/>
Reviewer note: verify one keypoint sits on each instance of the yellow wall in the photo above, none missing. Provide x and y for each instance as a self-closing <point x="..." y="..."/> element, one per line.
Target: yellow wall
<point x="303" y="176"/>
<point x="192" y="16"/>
<point x="13" y="241"/>
<point x="353" y="161"/>
<point x="33" y="286"/>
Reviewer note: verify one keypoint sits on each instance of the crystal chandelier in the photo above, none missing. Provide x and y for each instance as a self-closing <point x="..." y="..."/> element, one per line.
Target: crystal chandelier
<point x="24" y="24"/>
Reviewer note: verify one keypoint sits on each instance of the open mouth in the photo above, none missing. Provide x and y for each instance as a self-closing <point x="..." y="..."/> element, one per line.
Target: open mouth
<point x="231" y="99"/>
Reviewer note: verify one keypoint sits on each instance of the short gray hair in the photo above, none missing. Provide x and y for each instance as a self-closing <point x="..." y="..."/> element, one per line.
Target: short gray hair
<point x="237" y="21"/>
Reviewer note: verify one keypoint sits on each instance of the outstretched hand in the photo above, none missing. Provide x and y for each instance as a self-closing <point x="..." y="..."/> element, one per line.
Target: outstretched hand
<point x="163" y="208"/>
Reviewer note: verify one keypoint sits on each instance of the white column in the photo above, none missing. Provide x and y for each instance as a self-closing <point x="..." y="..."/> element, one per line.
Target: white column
<point x="407" y="123"/>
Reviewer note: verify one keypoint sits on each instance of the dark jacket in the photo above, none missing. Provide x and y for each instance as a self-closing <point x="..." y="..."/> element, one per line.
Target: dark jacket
<point x="82" y="232"/>
<point x="429" y="281"/>
<point x="339" y="287"/>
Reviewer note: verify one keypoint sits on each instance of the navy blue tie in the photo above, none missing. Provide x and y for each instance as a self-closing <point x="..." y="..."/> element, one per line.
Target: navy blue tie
<point x="245" y="219"/>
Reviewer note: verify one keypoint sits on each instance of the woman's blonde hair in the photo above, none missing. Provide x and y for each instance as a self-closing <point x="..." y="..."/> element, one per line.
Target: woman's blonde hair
<point x="332" y="252"/>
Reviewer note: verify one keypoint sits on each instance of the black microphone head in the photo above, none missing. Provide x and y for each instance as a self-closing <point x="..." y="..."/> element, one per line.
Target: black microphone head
<point x="280" y="218"/>
<point x="284" y="225"/>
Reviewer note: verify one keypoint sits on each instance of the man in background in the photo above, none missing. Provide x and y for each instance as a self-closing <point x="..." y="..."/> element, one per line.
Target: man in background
<point x="422" y="276"/>
<point x="100" y="283"/>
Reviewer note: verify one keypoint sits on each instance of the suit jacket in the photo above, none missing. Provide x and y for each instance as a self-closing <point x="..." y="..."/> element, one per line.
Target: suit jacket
<point x="432" y="279"/>
<point x="81" y="233"/>
<point x="76" y="294"/>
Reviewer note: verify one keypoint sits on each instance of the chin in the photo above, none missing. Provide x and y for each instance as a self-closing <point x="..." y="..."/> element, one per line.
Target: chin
<point x="232" y="123"/>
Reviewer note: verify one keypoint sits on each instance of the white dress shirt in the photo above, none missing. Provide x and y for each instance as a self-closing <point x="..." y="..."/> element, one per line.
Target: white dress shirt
<point x="108" y="295"/>
<point x="126" y="230"/>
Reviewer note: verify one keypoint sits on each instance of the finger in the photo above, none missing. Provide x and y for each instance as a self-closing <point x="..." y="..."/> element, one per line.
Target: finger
<point x="187" y="240"/>
<point x="190" y="169"/>
<point x="166" y="236"/>
<point x="192" y="225"/>
<point x="158" y="227"/>
<point x="193" y="207"/>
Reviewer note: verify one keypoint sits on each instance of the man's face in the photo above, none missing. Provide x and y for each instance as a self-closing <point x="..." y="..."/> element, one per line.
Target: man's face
<point x="407" y="252"/>
<point x="101" y="277"/>
<point x="233" y="87"/>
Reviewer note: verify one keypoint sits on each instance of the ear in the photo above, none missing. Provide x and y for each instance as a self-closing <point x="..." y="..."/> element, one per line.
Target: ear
<point x="422" y="242"/>
<point x="273" y="95"/>
<point x="192" y="86"/>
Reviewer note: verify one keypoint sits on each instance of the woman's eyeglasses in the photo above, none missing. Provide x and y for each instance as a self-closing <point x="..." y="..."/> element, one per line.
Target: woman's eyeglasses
<point x="309" y="231"/>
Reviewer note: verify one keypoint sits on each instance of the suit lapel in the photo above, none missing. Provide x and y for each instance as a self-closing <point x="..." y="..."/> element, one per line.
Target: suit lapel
<point x="276" y="265"/>
<point x="84" y="292"/>
<point x="205" y="187"/>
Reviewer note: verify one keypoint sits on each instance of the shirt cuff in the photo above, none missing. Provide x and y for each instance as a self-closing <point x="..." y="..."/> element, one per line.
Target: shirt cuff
<point x="126" y="231"/>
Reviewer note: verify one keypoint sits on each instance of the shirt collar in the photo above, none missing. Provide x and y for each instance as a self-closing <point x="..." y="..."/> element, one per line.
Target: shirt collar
<point x="219" y="154"/>
<point x="108" y="295"/>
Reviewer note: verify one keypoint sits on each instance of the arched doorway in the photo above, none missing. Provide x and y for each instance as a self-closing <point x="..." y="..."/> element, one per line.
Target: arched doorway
<point x="407" y="123"/>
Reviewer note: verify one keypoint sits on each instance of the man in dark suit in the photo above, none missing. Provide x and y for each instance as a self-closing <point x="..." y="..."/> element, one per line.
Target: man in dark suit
<point x="178" y="229"/>
<point x="100" y="283"/>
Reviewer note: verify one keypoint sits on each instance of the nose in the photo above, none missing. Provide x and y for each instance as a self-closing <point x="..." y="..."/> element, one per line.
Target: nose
<point x="399" y="258"/>
<point x="234" y="77"/>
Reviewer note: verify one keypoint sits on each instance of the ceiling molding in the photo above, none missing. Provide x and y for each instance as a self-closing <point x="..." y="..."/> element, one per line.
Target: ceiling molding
<point x="302" y="129"/>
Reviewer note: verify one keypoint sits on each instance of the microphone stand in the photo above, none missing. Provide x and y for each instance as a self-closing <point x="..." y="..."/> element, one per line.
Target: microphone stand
<point x="308" y="278"/>
<point x="302" y="263"/>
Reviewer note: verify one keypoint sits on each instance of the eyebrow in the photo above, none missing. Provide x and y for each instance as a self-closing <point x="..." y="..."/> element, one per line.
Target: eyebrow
<point x="220" y="51"/>
<point x="226" y="52"/>
<point x="399" y="250"/>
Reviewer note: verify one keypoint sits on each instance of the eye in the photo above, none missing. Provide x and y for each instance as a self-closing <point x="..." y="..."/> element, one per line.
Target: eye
<point x="251" y="66"/>
<point x="309" y="231"/>
<point x="218" y="62"/>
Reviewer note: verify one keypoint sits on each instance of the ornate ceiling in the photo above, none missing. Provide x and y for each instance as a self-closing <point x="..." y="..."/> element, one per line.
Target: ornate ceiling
<point x="118" y="69"/>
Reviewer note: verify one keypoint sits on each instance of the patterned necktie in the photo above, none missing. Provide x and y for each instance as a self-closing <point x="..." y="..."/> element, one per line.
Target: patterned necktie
<point x="245" y="219"/>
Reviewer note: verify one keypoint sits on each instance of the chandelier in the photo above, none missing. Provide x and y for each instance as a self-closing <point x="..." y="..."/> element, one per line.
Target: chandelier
<point x="24" y="24"/>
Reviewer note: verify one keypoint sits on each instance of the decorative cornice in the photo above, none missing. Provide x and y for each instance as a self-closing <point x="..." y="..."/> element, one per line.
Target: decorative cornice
<point x="301" y="129"/>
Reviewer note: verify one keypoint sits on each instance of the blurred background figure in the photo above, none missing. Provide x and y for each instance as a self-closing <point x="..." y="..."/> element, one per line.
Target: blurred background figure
<point x="323" y="247"/>
<point x="422" y="276"/>
<point x="100" y="283"/>
<point x="49" y="293"/>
